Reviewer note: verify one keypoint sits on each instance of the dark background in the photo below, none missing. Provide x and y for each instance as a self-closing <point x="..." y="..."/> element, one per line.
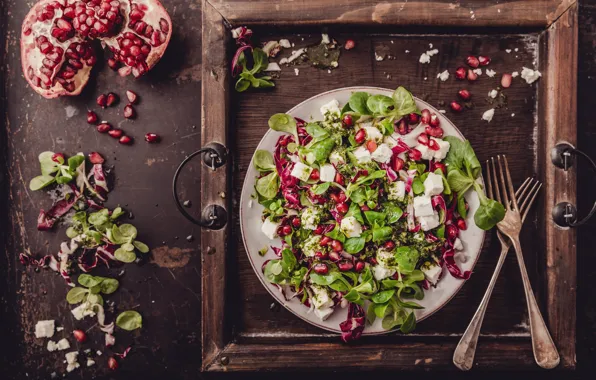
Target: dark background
<point x="169" y="288"/>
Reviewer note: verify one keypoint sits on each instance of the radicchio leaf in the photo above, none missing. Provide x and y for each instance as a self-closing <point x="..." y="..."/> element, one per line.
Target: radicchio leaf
<point x="448" y="258"/>
<point x="353" y="326"/>
<point x="123" y="354"/>
<point x="100" y="177"/>
<point x="46" y="220"/>
<point x="391" y="174"/>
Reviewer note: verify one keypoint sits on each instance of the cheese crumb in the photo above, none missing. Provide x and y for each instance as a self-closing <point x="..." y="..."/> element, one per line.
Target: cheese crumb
<point x="488" y="115"/>
<point x="407" y="52"/>
<point x="430" y="46"/>
<point x="44" y="329"/>
<point x="272" y="66"/>
<point x="529" y="75"/>
<point x="512" y="115"/>
<point x="516" y="49"/>
<point x="514" y="74"/>
<point x="325" y="38"/>
<point x="493" y="93"/>
<point x="478" y="71"/>
<point x="285" y="43"/>
<point x="442" y="111"/>
<point x="490" y="73"/>
<point x="378" y="57"/>
<point x="508" y="51"/>
<point x="90" y="362"/>
<point x="296" y="71"/>
<point x="443" y="76"/>
<point x="425" y="57"/>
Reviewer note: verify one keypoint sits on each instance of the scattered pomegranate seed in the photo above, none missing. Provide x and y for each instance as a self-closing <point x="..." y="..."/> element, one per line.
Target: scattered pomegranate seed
<point x="334" y="256"/>
<point x="398" y="164"/>
<point x="152" y="138"/>
<point x="112" y="99"/>
<point x="96" y="158"/>
<point x="129" y="112"/>
<point x="389" y="245"/>
<point x="434" y="120"/>
<point x="116" y="133"/>
<point x="314" y="175"/>
<point x="132" y="97"/>
<point x="425" y="116"/>
<point x="347" y="120"/>
<point x="359" y="266"/>
<point x="125" y="140"/>
<point x="506" y="80"/>
<point x="464" y="94"/>
<point x="483" y="60"/>
<point x="339" y="179"/>
<point x="296" y="222"/>
<point x="319" y="230"/>
<point x="442" y="166"/>
<point x="472" y="61"/>
<point x="371" y="146"/>
<point x="58" y="157"/>
<point x="320" y="268"/>
<point x="452" y="232"/>
<point x="373" y="261"/>
<point x="334" y="197"/>
<point x="91" y="117"/>
<point x="342" y="207"/>
<point x="102" y="100"/>
<point x="80" y="335"/>
<point x="103" y="127"/>
<point x="360" y="136"/>
<point x="415" y="154"/>
<point x="113" y="64"/>
<point x="461" y="224"/>
<point x="342" y="196"/>
<point x="325" y="240"/>
<point x="455" y="106"/>
<point x="413" y="118"/>
<point x="321" y="255"/>
<point x="337" y="246"/>
<point x="364" y="208"/>
<point x="402" y="127"/>
<point x="112" y="364"/>
<point x="350" y="44"/>
<point x="434" y="131"/>
<point x="472" y="76"/>
<point x="433" y="144"/>
<point x="345" y="266"/>
<point x="286" y="230"/>
<point x="460" y="73"/>
<point x="423" y="138"/>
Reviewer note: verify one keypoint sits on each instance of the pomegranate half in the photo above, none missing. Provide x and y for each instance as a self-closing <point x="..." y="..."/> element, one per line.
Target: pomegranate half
<point x="58" y="40"/>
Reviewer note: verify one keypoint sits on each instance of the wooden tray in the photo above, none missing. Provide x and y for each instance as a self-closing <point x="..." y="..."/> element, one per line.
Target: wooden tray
<point x="240" y="331"/>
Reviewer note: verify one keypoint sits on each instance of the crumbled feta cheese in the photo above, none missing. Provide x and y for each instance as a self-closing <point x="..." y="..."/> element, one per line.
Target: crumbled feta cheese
<point x="98" y="352"/>
<point x="490" y="73"/>
<point x="432" y="273"/>
<point x="63" y="344"/>
<point x="381" y="273"/>
<point x="488" y="115"/>
<point x="423" y="206"/>
<point x="83" y="310"/>
<point x="321" y="298"/>
<point x="310" y="218"/>
<point x="271" y="48"/>
<point x="457" y="244"/>
<point x="59" y="328"/>
<point x="372" y="133"/>
<point x="269" y="228"/>
<point x="52" y="346"/>
<point x="311" y="245"/>
<point x="478" y="71"/>
<point x="514" y="74"/>
<point x="433" y="184"/>
<point x="427" y="153"/>
<point x="432" y="52"/>
<point x="362" y="155"/>
<point x="331" y="108"/>
<point x="71" y="360"/>
<point x="493" y="93"/>
<point x="385" y="258"/>
<point x="301" y="171"/>
<point x="333" y="64"/>
<point x="430" y="46"/>
<point x="429" y="222"/>
<point x="529" y="75"/>
<point x="90" y="362"/>
<point x="272" y="66"/>
<point x="378" y="57"/>
<point x="508" y="51"/>
<point x="325" y="38"/>
<point x="285" y="43"/>
<point x="295" y="54"/>
<point x="424" y="58"/>
<point x="351" y="227"/>
<point x="442" y="111"/>
<point x="407" y="51"/>
<point x="44" y="329"/>
<point x="516" y="49"/>
<point x="327" y="173"/>
<point x="296" y="71"/>
<point x="443" y="149"/>
<point x="382" y="154"/>
<point x="397" y="191"/>
<point x="513" y="114"/>
<point x="337" y="158"/>
<point x="443" y="76"/>
<point x="324" y="313"/>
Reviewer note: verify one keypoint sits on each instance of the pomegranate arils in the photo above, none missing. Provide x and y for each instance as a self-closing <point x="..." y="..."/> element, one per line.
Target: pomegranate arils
<point x="461" y="224"/>
<point x="116" y="133"/>
<point x="132" y="97"/>
<point x="402" y="127"/>
<point x="464" y="94"/>
<point x="58" y="157"/>
<point x="483" y="60"/>
<point x="360" y="136"/>
<point x="129" y="112"/>
<point x="455" y="106"/>
<point x="434" y="120"/>
<point x="359" y="267"/>
<point x="125" y="140"/>
<point x="434" y="131"/>
<point x="472" y="76"/>
<point x="96" y="158"/>
<point x="433" y="144"/>
<point x="423" y="139"/>
<point x="113" y="64"/>
<point x="80" y="335"/>
<point x="472" y="61"/>
<point x="91" y="117"/>
<point x="350" y="44"/>
<point x="347" y="120"/>
<point x="112" y="364"/>
<point x="415" y="154"/>
<point x="413" y="118"/>
<point x="103" y="127"/>
<point x="152" y="138"/>
<point x="320" y="268"/>
<point x="506" y="80"/>
<point x="112" y="99"/>
<point x="460" y="73"/>
<point x="425" y="116"/>
<point x="102" y="100"/>
<point x="345" y="266"/>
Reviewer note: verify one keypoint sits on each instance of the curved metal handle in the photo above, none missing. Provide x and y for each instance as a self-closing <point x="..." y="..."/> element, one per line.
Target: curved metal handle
<point x="213" y="217"/>
<point x="565" y="214"/>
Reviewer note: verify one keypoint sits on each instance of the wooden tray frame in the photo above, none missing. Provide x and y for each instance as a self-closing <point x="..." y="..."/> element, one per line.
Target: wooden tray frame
<point x="556" y="111"/>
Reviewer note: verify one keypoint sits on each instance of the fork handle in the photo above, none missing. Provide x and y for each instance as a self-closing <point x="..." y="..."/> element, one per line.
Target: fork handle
<point x="545" y="352"/>
<point x="463" y="357"/>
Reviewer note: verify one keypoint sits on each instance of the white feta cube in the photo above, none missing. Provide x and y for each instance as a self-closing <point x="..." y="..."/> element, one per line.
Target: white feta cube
<point x="310" y="218"/>
<point x="385" y="258"/>
<point x="397" y="191"/>
<point x="488" y="115"/>
<point x="52" y="346"/>
<point x="90" y="362"/>
<point x="432" y="273"/>
<point x="269" y="228"/>
<point x="301" y="171"/>
<point x="433" y="184"/>
<point x="44" y="329"/>
<point x="427" y="223"/>
<point x="71" y="360"/>
<point x="457" y="245"/>
<point x="337" y="158"/>
<point x="83" y="310"/>
<point x="324" y="313"/>
<point x="426" y="152"/>
<point x="382" y="154"/>
<point x="63" y="344"/>
<point x="327" y="173"/>
<point x="285" y="43"/>
<point x="372" y="133"/>
<point x="529" y="75"/>
<point x="423" y="206"/>
<point x="351" y="227"/>
<point x="381" y="273"/>
<point x="331" y="109"/>
<point x="362" y="155"/>
<point x="311" y="245"/>
<point x="443" y="149"/>
<point x="321" y="299"/>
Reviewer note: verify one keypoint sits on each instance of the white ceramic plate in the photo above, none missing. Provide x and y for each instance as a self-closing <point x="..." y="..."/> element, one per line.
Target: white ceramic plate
<point x="254" y="239"/>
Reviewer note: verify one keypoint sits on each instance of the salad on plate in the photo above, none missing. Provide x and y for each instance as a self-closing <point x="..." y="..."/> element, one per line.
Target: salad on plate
<point x="368" y="204"/>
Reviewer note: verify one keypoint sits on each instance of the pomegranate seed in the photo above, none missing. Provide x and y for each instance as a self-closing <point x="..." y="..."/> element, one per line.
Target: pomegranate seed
<point x="413" y="118"/>
<point x="320" y="268"/>
<point x="132" y="97"/>
<point x="314" y="175"/>
<point x="342" y="207"/>
<point x="434" y="131"/>
<point x="91" y="117"/>
<point x="360" y="136"/>
<point x="472" y="61"/>
<point x="433" y="144"/>
<point x="337" y="246"/>
<point x="359" y="266"/>
<point x="113" y="64"/>
<point x="455" y="106"/>
<point x="364" y="208"/>
<point x="389" y="245"/>
<point x="325" y="240"/>
<point x="129" y="112"/>
<point x="321" y="255"/>
<point x="339" y="179"/>
<point x="58" y="157"/>
<point x="103" y="127"/>
<point x="434" y="120"/>
<point x="373" y="261"/>
<point x="452" y="232"/>
<point x="461" y="224"/>
<point x="125" y="140"/>
<point x="334" y="256"/>
<point x="102" y="100"/>
<point x="296" y="222"/>
<point x="506" y="80"/>
<point x="345" y="266"/>
<point x="442" y="166"/>
<point x="152" y="138"/>
<point x="464" y="94"/>
<point x="398" y="164"/>
<point x="460" y="73"/>
<point x="371" y="146"/>
<point x="96" y="158"/>
<point x="425" y="118"/>
<point x="334" y="197"/>
<point x="80" y="335"/>
<point x="342" y="197"/>
<point x="483" y="60"/>
<point x="423" y="138"/>
<point x="402" y="127"/>
<point x="111" y="99"/>
<point x="112" y="364"/>
<point x="116" y="133"/>
<point x="472" y="76"/>
<point x="347" y="120"/>
<point x="319" y="230"/>
<point x="350" y="44"/>
<point x="287" y="229"/>
<point x="414" y="154"/>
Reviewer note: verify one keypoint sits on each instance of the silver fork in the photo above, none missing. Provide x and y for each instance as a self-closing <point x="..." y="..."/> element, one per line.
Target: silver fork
<point x="545" y="352"/>
<point x="463" y="357"/>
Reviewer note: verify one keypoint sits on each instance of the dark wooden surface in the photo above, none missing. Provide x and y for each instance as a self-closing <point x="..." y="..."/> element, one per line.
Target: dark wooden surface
<point x="169" y="344"/>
